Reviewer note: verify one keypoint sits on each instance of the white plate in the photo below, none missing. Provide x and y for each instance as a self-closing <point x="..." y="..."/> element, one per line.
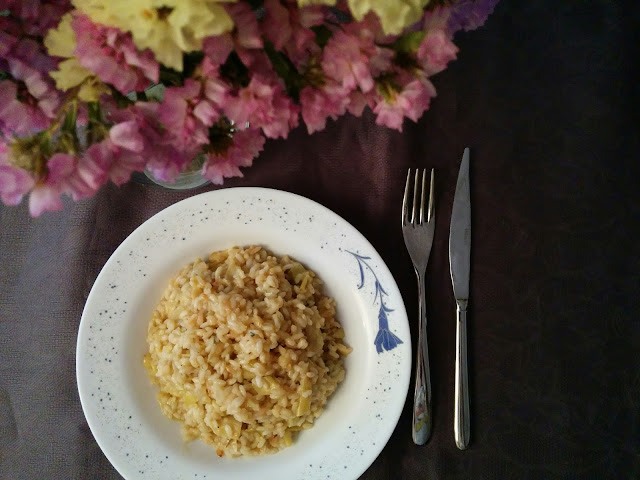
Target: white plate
<point x="119" y="401"/>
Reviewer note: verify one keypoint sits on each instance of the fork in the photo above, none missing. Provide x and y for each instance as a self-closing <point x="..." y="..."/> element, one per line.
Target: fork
<point x="418" y="231"/>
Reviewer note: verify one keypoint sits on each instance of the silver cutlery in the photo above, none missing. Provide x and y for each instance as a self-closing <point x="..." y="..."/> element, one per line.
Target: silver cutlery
<point x="460" y="263"/>
<point x="417" y="228"/>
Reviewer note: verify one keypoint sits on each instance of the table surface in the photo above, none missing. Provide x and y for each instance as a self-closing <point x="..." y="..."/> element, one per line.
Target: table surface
<point x="546" y="95"/>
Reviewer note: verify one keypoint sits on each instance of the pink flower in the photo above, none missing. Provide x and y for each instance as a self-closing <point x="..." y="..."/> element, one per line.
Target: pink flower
<point x="276" y="25"/>
<point x="247" y="144"/>
<point x="358" y="101"/>
<point x="187" y="114"/>
<point x="35" y="17"/>
<point x="469" y="14"/>
<point x="127" y="135"/>
<point x="139" y="130"/>
<point x="354" y="60"/>
<point x="29" y="102"/>
<point x="218" y="48"/>
<point x="246" y="31"/>
<point x="288" y="28"/>
<point x="62" y="178"/>
<point x="14" y="182"/>
<point x="215" y="89"/>
<point x="411" y="102"/>
<point x="318" y="104"/>
<point x="7" y="42"/>
<point x="263" y="105"/>
<point x="245" y="35"/>
<point x="20" y="118"/>
<point x="108" y="160"/>
<point x="436" y="51"/>
<point x="112" y="56"/>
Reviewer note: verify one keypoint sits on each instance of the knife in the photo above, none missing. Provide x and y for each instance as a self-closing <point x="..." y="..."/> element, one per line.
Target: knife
<point x="460" y="263"/>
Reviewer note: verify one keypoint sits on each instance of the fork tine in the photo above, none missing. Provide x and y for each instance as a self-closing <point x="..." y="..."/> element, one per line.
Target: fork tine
<point x="414" y="213"/>
<point x="431" y="197"/>
<point x="423" y="196"/>
<point x="405" y="209"/>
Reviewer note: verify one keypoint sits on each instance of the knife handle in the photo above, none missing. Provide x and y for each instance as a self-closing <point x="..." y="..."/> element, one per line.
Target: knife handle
<point x="461" y="419"/>
<point x="421" y="424"/>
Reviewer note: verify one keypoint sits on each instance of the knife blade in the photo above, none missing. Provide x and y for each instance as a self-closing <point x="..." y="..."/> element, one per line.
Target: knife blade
<point x="460" y="266"/>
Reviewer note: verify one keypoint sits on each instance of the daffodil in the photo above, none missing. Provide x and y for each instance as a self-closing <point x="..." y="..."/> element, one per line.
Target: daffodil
<point x="394" y="15"/>
<point x="167" y="27"/>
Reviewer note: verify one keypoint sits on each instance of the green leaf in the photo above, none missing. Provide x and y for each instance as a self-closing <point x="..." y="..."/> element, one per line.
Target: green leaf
<point x="323" y="35"/>
<point x="170" y="77"/>
<point x="410" y="42"/>
<point x="191" y="61"/>
<point x="234" y="71"/>
<point x="70" y="118"/>
<point x="406" y="61"/>
<point x="286" y="70"/>
<point x="256" y="4"/>
<point x="122" y="101"/>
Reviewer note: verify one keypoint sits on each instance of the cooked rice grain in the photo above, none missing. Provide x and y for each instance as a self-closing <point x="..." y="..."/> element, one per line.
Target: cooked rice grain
<point x="246" y="350"/>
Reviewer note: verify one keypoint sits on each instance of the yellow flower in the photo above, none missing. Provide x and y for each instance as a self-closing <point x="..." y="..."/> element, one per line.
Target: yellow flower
<point x="92" y="89"/>
<point x="395" y="15"/>
<point x="304" y="3"/>
<point x="70" y="74"/>
<point x="167" y="27"/>
<point x="61" y="42"/>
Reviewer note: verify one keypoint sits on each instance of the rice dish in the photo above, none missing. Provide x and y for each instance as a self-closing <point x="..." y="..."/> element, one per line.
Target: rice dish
<point x="246" y="350"/>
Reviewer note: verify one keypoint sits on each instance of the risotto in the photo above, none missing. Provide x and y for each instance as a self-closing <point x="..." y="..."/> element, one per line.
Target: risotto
<point x="246" y="350"/>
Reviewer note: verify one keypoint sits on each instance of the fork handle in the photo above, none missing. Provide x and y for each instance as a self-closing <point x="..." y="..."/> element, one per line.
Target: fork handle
<point x="421" y="425"/>
<point x="461" y="418"/>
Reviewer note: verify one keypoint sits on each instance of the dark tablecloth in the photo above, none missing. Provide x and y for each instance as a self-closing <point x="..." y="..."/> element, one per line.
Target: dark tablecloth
<point x="547" y="97"/>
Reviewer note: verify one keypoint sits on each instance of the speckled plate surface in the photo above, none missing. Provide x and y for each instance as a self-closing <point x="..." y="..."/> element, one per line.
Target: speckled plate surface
<point x="119" y="401"/>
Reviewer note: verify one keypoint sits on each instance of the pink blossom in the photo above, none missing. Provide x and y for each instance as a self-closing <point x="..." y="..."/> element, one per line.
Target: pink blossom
<point x="436" y="51"/>
<point x="127" y="135"/>
<point x="35" y="17"/>
<point x="318" y="104"/>
<point x="106" y="160"/>
<point x="20" y="118"/>
<point x="29" y="102"/>
<point x="125" y="150"/>
<point x="247" y="144"/>
<point x="14" y="182"/>
<point x="258" y="63"/>
<point x="354" y="60"/>
<point x="215" y="89"/>
<point x="218" y="48"/>
<point x="62" y="178"/>
<point x="246" y="30"/>
<point x="358" y="101"/>
<point x="244" y="36"/>
<point x="276" y="25"/>
<point x="411" y="102"/>
<point x="7" y="42"/>
<point x="187" y="114"/>
<point x="263" y="105"/>
<point x="141" y="122"/>
<point x="469" y="14"/>
<point x="112" y="56"/>
<point x="288" y="28"/>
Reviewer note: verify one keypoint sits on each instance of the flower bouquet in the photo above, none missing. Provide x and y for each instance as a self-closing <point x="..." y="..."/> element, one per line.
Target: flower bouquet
<point x="93" y="90"/>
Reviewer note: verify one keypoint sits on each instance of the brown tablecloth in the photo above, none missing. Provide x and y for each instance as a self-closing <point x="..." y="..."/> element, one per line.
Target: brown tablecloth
<point x="547" y="97"/>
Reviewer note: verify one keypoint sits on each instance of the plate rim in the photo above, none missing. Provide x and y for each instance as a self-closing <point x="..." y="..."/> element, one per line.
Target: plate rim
<point x="92" y="421"/>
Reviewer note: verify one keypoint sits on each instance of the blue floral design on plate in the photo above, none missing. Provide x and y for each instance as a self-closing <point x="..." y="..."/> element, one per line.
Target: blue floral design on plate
<point x="385" y="339"/>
